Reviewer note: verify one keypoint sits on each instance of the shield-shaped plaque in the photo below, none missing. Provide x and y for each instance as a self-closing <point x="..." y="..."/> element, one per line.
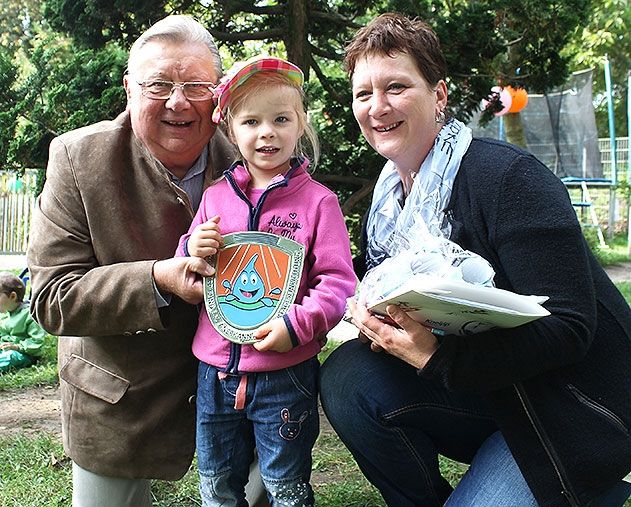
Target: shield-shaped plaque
<point x="256" y="279"/>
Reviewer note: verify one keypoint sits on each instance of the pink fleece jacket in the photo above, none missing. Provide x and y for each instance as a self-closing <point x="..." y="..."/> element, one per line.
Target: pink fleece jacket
<point x="297" y="207"/>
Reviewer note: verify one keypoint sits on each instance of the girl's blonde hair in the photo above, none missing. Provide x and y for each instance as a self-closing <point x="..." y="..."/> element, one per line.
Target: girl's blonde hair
<point x="308" y="144"/>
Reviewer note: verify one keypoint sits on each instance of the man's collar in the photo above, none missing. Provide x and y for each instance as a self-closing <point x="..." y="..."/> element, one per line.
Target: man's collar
<point x="197" y="168"/>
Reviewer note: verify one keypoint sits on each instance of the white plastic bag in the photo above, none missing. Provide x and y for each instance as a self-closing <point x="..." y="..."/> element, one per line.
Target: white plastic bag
<point x="420" y="251"/>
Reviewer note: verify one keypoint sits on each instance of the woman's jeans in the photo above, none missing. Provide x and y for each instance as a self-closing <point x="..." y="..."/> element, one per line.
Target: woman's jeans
<point x="279" y="416"/>
<point x="395" y="423"/>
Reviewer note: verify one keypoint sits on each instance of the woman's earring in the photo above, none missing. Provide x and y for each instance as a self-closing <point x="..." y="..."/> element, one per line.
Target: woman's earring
<point x="440" y="117"/>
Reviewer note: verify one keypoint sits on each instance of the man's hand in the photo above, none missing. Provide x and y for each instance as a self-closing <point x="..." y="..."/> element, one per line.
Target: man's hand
<point x="274" y="335"/>
<point x="205" y="239"/>
<point x="182" y="276"/>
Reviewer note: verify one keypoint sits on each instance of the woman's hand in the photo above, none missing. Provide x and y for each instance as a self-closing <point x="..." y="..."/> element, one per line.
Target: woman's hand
<point x="410" y="342"/>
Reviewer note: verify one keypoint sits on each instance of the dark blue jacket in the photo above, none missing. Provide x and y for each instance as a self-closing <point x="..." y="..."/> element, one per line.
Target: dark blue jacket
<point x="560" y="387"/>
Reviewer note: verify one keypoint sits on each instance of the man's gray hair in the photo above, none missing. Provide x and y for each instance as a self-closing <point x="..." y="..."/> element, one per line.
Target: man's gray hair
<point x="177" y="29"/>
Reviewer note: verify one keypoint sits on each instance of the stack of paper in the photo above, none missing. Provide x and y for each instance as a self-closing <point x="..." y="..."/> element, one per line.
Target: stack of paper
<point x="457" y="307"/>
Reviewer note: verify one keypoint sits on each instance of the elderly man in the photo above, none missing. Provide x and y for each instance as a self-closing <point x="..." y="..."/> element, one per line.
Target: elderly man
<point x="117" y="198"/>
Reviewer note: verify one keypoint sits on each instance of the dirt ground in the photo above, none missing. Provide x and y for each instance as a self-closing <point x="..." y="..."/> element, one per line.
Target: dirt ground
<point x="29" y="411"/>
<point x="35" y="410"/>
<point x="620" y="272"/>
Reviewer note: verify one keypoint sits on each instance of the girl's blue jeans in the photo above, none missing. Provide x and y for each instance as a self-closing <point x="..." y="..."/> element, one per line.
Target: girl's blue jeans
<point x="279" y="418"/>
<point x="395" y="423"/>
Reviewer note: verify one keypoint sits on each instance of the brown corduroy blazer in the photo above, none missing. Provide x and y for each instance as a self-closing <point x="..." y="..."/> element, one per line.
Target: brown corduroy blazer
<point x="107" y="212"/>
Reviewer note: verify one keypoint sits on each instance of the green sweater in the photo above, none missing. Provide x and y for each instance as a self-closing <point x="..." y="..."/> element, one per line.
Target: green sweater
<point x="19" y="327"/>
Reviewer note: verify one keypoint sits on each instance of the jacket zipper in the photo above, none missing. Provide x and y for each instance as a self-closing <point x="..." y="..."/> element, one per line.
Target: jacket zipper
<point x="255" y="211"/>
<point x="253" y="223"/>
<point x="598" y="408"/>
<point x="547" y="446"/>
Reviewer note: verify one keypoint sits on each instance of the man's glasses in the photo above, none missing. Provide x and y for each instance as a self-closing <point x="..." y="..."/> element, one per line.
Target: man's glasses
<point x="162" y="90"/>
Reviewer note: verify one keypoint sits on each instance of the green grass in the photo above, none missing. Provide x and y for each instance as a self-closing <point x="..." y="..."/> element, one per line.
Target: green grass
<point x="38" y="463"/>
<point x="182" y="493"/>
<point x="625" y="289"/>
<point x="42" y="373"/>
<point x="616" y="252"/>
<point x="337" y="479"/>
<point x="34" y="471"/>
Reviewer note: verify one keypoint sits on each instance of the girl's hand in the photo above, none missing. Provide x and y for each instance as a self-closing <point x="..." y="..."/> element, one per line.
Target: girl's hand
<point x="206" y="239"/>
<point x="274" y="335"/>
<point x="410" y="341"/>
<point x="9" y="346"/>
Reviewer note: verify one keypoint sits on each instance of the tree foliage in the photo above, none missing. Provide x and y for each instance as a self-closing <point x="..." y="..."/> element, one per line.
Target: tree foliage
<point x="312" y="34"/>
<point x="605" y="34"/>
<point x="8" y="103"/>
<point x="52" y="84"/>
<point x="16" y="20"/>
<point x="93" y="23"/>
<point x="66" y="88"/>
<point x="485" y="42"/>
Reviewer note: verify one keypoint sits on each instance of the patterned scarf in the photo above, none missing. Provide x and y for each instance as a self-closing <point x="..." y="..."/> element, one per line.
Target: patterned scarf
<point x="429" y="196"/>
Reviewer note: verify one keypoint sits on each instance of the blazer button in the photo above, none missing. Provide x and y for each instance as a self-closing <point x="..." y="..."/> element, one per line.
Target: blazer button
<point x="140" y="331"/>
<point x="127" y="333"/>
<point x="191" y="399"/>
<point x="151" y="330"/>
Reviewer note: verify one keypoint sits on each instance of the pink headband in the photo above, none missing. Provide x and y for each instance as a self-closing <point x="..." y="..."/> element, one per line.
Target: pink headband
<point x="240" y="73"/>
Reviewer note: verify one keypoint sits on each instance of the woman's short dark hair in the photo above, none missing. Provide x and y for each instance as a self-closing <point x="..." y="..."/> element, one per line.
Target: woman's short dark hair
<point x="392" y="33"/>
<point x="10" y="283"/>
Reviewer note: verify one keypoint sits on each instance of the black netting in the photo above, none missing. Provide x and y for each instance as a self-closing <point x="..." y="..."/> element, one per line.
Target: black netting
<point x="560" y="129"/>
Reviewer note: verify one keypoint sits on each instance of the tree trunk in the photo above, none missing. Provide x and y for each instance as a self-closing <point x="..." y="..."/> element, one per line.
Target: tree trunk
<point x="296" y="38"/>
<point x="514" y="129"/>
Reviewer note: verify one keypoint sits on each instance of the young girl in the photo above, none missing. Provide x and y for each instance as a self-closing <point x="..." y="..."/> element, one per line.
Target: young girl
<point x="265" y="395"/>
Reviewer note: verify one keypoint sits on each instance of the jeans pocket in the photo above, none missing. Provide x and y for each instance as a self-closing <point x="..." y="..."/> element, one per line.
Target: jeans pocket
<point x="210" y="384"/>
<point x="304" y="377"/>
<point x="230" y="384"/>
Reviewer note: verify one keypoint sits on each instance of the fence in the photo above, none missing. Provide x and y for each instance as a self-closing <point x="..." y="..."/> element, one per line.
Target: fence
<point x="17" y="197"/>
<point x="622" y="157"/>
<point x="611" y="206"/>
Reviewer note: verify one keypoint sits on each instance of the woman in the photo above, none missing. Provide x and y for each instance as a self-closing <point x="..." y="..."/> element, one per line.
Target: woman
<point x="542" y="411"/>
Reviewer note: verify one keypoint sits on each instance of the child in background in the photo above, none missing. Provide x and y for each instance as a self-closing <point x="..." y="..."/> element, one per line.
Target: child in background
<point x="21" y="338"/>
<point x="264" y="395"/>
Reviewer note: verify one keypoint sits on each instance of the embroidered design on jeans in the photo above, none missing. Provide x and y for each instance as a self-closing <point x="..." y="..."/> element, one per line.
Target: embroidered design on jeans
<point x="289" y="430"/>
